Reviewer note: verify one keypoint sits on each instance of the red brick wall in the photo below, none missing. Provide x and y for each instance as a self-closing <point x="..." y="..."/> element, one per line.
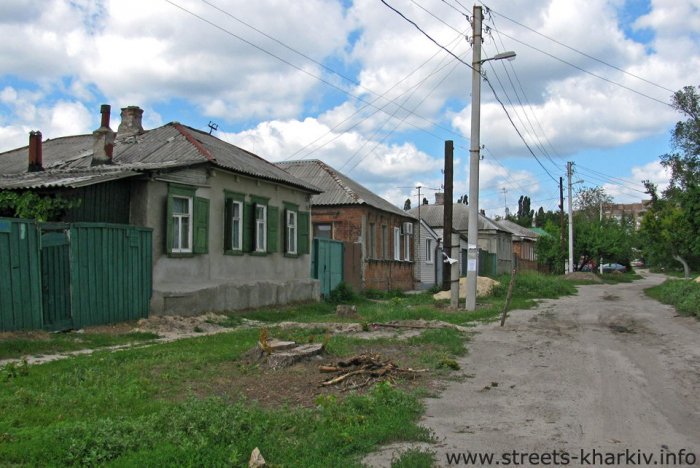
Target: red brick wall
<point x="378" y="273"/>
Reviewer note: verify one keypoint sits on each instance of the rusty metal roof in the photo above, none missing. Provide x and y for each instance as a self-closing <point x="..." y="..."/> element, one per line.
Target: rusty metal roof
<point x="67" y="160"/>
<point x="338" y="189"/>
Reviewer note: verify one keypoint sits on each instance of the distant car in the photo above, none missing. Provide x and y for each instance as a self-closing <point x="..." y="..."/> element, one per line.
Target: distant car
<point x="637" y="263"/>
<point x="612" y="267"/>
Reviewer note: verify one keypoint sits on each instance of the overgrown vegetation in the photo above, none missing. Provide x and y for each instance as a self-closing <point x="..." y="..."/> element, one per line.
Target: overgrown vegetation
<point x="683" y="295"/>
<point x="29" y="205"/>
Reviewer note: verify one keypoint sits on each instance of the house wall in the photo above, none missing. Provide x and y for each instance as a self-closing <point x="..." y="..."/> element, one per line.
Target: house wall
<point x="352" y="224"/>
<point x="424" y="271"/>
<point x="217" y="281"/>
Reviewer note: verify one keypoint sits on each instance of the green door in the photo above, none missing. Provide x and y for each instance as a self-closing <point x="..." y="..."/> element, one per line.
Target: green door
<point x="327" y="264"/>
<point x="55" y="279"/>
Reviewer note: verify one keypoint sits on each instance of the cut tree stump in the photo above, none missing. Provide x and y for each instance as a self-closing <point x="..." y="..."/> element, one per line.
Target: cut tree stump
<point x="286" y="358"/>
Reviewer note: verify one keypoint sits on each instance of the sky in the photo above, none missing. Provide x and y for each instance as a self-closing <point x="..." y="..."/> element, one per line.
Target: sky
<point x="357" y="85"/>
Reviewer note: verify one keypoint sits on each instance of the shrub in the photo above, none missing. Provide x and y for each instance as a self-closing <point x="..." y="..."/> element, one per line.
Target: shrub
<point x="342" y="293"/>
<point x="683" y="295"/>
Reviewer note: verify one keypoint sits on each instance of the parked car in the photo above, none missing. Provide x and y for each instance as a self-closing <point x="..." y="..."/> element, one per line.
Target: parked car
<point x="612" y="267"/>
<point x="637" y="263"/>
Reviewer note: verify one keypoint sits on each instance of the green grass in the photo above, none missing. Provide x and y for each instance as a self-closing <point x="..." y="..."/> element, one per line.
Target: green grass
<point x="145" y="406"/>
<point x="615" y="278"/>
<point x="414" y="458"/>
<point x="684" y="295"/>
<point x="22" y="344"/>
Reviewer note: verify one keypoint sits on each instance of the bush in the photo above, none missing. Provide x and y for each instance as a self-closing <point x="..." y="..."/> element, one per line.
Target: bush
<point x="342" y="293"/>
<point x="682" y="294"/>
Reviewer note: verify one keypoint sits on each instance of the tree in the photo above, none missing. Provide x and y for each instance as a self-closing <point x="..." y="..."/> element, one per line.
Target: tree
<point x="525" y="214"/>
<point x="670" y="227"/>
<point x="464" y="199"/>
<point x="29" y="205"/>
<point x="407" y="204"/>
<point x="548" y="248"/>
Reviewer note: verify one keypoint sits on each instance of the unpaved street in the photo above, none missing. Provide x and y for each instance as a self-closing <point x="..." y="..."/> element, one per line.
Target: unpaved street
<point x="607" y="370"/>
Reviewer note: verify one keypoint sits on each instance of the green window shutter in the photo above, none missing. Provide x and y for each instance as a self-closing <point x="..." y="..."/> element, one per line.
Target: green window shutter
<point x="303" y="232"/>
<point x="273" y="231"/>
<point x="169" y="225"/>
<point x="248" y="227"/>
<point x="228" y="212"/>
<point x="285" y="240"/>
<point x="201" y="225"/>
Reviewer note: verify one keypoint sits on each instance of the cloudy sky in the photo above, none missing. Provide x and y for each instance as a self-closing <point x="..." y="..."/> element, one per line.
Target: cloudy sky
<point x="356" y="85"/>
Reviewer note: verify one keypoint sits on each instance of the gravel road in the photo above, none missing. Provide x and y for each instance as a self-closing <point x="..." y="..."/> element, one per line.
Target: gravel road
<point x="602" y="378"/>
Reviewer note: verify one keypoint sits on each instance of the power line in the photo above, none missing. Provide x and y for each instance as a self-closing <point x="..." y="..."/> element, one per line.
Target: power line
<point x="491" y="10"/>
<point x="485" y="79"/>
<point x="306" y="72"/>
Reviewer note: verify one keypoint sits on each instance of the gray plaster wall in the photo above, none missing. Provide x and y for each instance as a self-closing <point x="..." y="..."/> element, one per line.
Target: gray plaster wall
<point x="216" y="281"/>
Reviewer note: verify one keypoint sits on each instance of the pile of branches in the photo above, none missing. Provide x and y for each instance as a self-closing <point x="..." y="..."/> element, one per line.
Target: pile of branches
<point x="362" y="370"/>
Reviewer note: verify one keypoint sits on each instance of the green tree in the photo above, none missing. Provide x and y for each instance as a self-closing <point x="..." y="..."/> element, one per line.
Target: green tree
<point x="29" y="205"/>
<point x="548" y="248"/>
<point x="669" y="229"/>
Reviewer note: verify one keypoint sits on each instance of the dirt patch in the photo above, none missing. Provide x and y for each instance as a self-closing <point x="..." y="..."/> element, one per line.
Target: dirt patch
<point x="583" y="276"/>
<point x="484" y="288"/>
<point x="26" y="335"/>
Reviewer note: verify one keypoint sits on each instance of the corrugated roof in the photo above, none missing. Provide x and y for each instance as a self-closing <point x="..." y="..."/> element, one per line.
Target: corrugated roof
<point x="338" y="189"/>
<point x="433" y="215"/>
<point x="52" y="178"/>
<point x="170" y="146"/>
<point x="517" y="229"/>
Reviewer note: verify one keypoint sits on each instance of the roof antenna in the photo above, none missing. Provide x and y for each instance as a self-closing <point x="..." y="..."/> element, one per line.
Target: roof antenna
<point x="212" y="126"/>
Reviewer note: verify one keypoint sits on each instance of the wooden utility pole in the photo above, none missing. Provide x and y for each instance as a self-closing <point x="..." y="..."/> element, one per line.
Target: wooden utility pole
<point x="447" y="215"/>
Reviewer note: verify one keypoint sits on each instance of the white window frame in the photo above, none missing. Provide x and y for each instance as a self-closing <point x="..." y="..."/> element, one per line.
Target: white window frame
<point x="261" y="229"/>
<point x="291" y="224"/>
<point x="407" y="247"/>
<point x="177" y="225"/>
<point x="236" y="225"/>
<point x="429" y="251"/>
<point x="397" y="243"/>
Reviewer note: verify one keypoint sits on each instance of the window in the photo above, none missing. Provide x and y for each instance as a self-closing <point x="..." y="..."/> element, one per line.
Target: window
<point x="235" y="225"/>
<point x="323" y="231"/>
<point x="181" y="225"/>
<point x="370" y="241"/>
<point x="407" y="247"/>
<point x="429" y="251"/>
<point x="187" y="219"/>
<point x="291" y="232"/>
<point x="397" y="243"/>
<point x="260" y="228"/>
<point x="385" y="240"/>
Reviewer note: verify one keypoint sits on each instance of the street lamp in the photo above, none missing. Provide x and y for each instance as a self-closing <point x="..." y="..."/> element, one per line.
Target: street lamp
<point x="474" y="157"/>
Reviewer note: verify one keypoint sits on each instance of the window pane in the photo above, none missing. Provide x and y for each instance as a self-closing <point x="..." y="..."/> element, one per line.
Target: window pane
<point x="236" y="235"/>
<point x="181" y="205"/>
<point x="236" y="211"/>
<point x="185" y="233"/>
<point x="176" y="233"/>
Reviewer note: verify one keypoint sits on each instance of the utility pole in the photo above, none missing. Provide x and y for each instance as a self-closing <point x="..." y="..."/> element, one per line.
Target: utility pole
<point x="447" y="214"/>
<point x="569" y="173"/>
<point x="600" y="263"/>
<point x="561" y="216"/>
<point x="505" y="203"/>
<point x="473" y="224"/>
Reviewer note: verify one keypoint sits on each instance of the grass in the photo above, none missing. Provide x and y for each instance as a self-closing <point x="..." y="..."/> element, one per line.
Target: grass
<point x="160" y="405"/>
<point x="414" y="458"/>
<point x="33" y="343"/>
<point x="139" y="407"/>
<point x="684" y="295"/>
<point x="615" y="278"/>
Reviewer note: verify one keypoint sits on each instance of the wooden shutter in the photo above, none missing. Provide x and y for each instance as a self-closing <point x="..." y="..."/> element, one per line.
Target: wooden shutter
<point x="303" y="232"/>
<point x="228" y="212"/>
<point x="248" y="227"/>
<point x="273" y="231"/>
<point x="201" y="225"/>
<point x="169" y="225"/>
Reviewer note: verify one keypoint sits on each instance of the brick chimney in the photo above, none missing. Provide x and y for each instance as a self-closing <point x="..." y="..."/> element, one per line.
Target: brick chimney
<point x="36" y="162"/>
<point x="103" y="146"/>
<point x="439" y="198"/>
<point x="131" y="121"/>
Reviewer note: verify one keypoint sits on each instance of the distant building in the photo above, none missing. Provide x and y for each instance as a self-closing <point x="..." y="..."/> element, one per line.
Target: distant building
<point x="620" y="210"/>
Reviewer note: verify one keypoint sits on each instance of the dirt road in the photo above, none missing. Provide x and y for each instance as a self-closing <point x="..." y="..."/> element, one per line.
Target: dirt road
<point x="606" y="373"/>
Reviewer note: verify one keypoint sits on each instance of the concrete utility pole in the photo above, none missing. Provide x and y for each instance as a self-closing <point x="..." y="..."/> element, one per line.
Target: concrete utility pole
<point x="473" y="226"/>
<point x="569" y="173"/>
<point x="561" y="215"/>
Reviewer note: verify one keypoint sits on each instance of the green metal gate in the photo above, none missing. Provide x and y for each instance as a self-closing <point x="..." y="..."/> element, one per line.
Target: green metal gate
<point x="56" y="277"/>
<point x="488" y="263"/>
<point x="327" y="264"/>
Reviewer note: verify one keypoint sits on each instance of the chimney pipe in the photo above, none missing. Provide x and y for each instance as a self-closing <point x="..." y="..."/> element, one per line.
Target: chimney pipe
<point x="131" y="121"/>
<point x="103" y="146"/>
<point x="439" y="198"/>
<point x="35" y="152"/>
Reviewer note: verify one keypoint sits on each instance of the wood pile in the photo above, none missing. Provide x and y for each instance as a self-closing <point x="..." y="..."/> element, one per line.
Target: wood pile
<point x="363" y="370"/>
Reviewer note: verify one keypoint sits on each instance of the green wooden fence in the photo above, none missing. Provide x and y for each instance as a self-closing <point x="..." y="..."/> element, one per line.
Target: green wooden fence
<point x="65" y="276"/>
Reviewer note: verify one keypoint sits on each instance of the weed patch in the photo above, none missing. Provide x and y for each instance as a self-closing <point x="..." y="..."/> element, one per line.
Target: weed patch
<point x="682" y="294"/>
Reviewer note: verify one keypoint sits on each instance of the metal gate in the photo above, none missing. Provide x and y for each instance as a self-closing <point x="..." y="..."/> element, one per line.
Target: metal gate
<point x="55" y="277"/>
<point x="327" y="264"/>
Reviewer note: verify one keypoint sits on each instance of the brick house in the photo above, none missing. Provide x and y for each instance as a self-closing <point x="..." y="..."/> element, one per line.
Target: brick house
<point x="346" y="211"/>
